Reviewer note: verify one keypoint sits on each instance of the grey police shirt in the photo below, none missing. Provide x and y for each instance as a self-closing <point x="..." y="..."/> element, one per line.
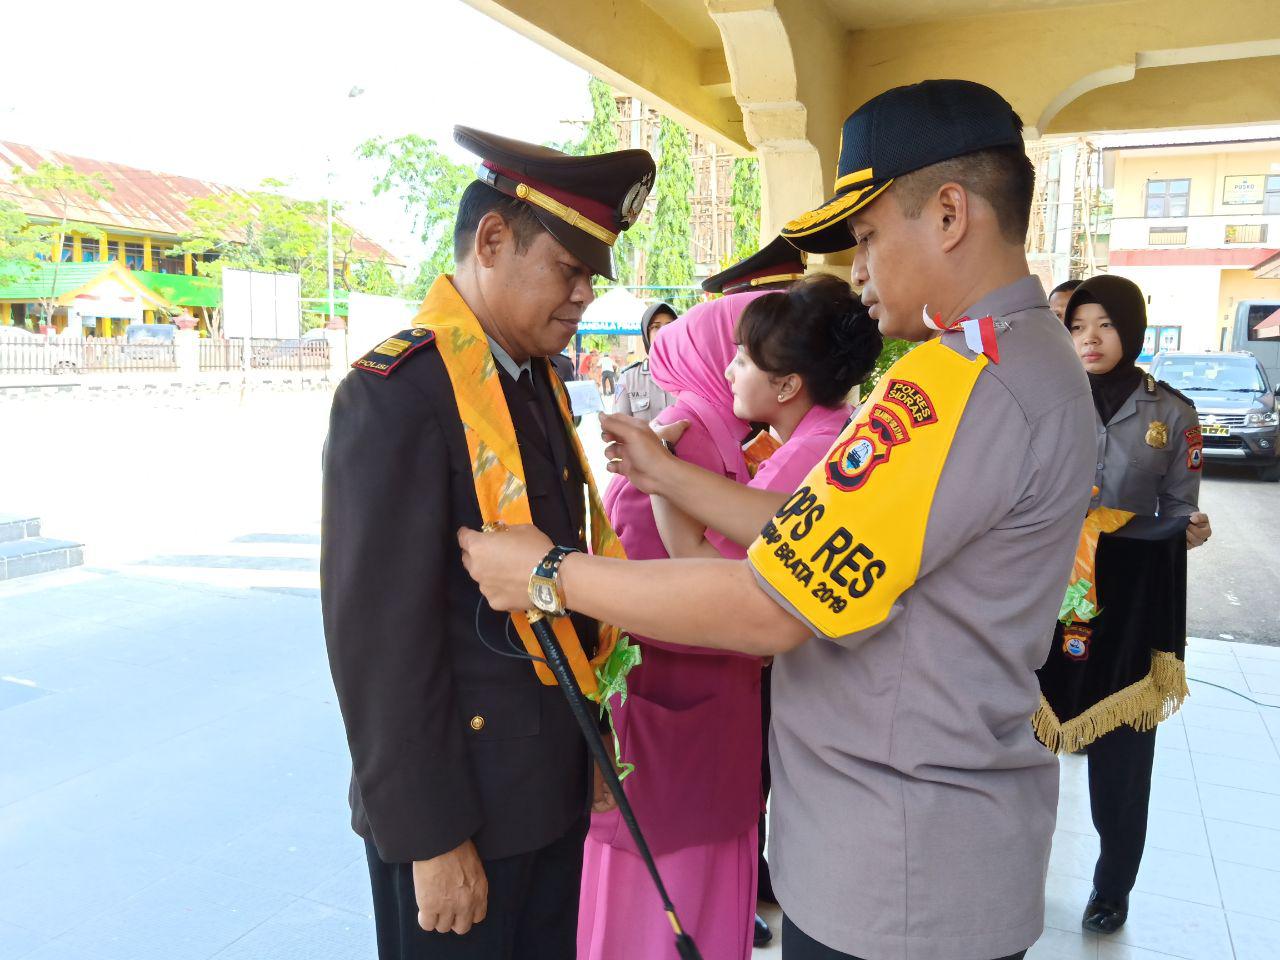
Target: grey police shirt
<point x="913" y="809"/>
<point x="638" y="396"/>
<point x="1150" y="454"/>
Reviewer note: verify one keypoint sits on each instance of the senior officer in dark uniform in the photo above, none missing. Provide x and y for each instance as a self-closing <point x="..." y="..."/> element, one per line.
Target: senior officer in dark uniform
<point x="471" y="782"/>
<point x="775" y="266"/>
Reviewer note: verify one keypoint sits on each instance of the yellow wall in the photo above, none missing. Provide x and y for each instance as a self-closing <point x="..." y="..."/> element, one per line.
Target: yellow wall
<point x="1240" y="285"/>
<point x="1199" y="95"/>
<point x="1206" y="167"/>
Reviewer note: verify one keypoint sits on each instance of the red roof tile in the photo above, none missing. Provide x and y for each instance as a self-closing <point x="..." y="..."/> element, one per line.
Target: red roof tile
<point x="141" y="200"/>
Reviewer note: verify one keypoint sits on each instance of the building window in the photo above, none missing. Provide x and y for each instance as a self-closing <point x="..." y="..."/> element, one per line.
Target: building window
<point x="89" y="250"/>
<point x="1167" y="198"/>
<point x="133" y="257"/>
<point x="68" y="249"/>
<point x="1271" y="202"/>
<point x="1246" y="233"/>
<point x="1167" y="236"/>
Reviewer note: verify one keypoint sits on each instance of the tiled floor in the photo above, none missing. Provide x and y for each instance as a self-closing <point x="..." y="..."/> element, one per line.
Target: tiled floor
<point x="173" y="780"/>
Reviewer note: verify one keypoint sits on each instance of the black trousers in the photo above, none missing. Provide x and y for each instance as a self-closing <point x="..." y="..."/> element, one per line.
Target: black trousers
<point x="797" y="945"/>
<point x="1119" y="794"/>
<point x="533" y="908"/>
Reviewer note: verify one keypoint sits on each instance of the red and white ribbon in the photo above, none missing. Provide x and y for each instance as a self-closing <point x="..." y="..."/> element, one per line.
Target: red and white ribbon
<point x="979" y="335"/>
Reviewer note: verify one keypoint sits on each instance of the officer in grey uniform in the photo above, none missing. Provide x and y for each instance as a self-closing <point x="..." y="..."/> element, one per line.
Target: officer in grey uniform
<point x="638" y="396"/>
<point x="1149" y="460"/>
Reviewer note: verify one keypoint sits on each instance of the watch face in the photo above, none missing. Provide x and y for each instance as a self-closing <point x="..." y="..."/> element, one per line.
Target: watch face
<point x="544" y="596"/>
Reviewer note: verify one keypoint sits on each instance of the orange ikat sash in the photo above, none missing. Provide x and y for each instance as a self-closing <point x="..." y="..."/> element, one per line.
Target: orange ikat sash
<point x="496" y="466"/>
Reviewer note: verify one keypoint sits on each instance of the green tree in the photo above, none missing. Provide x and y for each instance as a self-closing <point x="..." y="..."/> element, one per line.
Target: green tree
<point x="26" y="240"/>
<point x="744" y="200"/>
<point x="265" y="230"/>
<point x="429" y="186"/>
<point x="670" y="259"/>
<point x="892" y="352"/>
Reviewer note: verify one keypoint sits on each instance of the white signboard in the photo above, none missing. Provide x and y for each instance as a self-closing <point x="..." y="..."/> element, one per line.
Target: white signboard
<point x="1243" y="190"/>
<point x="267" y="305"/>
<point x="372" y="319"/>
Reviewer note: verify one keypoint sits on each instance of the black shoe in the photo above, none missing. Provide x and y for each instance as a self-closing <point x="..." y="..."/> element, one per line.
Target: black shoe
<point x="1105" y="916"/>
<point x="763" y="936"/>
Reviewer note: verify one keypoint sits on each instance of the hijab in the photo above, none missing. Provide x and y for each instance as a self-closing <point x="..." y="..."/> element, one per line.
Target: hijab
<point x="650" y="312"/>
<point x="689" y="361"/>
<point x="1126" y="307"/>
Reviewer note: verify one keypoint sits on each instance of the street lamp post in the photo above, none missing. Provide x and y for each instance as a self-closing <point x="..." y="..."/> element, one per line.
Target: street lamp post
<point x="328" y="216"/>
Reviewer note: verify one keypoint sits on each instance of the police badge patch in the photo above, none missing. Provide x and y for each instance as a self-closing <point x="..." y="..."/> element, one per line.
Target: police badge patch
<point x="1075" y="641"/>
<point x="1195" y="448"/>
<point x="852" y="462"/>
<point x="1158" y="434"/>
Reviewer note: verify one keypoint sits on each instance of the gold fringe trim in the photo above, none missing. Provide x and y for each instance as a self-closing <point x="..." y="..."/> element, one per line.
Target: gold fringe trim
<point x="1141" y="705"/>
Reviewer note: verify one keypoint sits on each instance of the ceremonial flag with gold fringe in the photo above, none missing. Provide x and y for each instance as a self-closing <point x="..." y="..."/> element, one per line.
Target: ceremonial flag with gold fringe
<point x="1120" y="659"/>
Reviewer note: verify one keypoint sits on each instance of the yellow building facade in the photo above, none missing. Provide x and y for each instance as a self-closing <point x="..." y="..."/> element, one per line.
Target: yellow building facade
<point x="1191" y="224"/>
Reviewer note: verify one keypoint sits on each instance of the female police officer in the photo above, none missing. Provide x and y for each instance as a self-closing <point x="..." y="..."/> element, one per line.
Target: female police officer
<point x="1149" y="460"/>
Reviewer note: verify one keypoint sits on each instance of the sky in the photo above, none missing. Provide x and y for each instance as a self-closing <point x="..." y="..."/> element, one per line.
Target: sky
<point x="241" y="91"/>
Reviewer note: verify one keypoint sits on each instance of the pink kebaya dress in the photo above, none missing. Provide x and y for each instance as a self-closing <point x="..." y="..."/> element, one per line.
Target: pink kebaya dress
<point x="691" y="723"/>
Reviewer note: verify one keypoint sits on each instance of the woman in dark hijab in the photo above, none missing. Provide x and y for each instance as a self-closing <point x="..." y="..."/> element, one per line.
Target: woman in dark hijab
<point x="1116" y="667"/>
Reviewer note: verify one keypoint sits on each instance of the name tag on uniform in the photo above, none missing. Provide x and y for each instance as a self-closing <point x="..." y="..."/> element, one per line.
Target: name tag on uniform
<point x="584" y="398"/>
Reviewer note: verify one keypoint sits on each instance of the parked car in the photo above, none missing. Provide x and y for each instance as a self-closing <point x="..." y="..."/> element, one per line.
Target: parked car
<point x="1235" y="401"/>
<point x="22" y="351"/>
<point x="149" y="341"/>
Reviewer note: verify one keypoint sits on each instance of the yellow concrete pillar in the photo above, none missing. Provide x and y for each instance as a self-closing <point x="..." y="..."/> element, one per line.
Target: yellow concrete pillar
<point x="6" y="315"/>
<point x="55" y="249"/>
<point x="77" y="252"/>
<point x="186" y="264"/>
<point x="146" y="256"/>
<point x="120" y="249"/>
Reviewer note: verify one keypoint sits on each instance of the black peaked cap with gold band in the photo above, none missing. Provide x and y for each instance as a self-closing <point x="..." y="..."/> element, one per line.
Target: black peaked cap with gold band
<point x="778" y="264"/>
<point x="898" y="132"/>
<point x="584" y="202"/>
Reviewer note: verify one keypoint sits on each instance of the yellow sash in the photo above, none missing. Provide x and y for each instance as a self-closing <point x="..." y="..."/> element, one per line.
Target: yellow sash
<point x="496" y="466"/>
<point x="847" y="544"/>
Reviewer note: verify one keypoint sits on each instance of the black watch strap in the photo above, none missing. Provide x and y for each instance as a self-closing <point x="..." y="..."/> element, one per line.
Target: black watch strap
<point x="550" y="565"/>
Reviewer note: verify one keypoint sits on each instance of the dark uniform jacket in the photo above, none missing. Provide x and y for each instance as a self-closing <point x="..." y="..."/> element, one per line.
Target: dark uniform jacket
<point x="449" y="740"/>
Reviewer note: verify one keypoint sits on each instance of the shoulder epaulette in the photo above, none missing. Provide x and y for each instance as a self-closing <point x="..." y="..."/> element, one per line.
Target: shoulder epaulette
<point x="393" y="351"/>
<point x="630" y="366"/>
<point x="1177" y="393"/>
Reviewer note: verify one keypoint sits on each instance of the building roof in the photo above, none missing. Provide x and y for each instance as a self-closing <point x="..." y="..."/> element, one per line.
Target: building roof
<point x="141" y="201"/>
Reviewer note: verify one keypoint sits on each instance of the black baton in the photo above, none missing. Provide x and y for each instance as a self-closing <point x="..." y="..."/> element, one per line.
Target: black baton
<point x="685" y="946"/>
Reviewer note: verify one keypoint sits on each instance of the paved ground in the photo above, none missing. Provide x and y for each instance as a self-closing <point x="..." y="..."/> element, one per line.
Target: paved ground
<point x="1233" y="592"/>
<point x="172" y="766"/>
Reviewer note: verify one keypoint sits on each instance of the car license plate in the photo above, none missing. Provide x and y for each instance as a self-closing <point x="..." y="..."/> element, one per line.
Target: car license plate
<point x="1214" y="430"/>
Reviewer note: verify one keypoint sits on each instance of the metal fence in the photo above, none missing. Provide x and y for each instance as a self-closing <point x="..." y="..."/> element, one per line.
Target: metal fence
<point x="289" y="354"/>
<point x="26" y="353"/>
<point x="73" y="355"/>
<point x="221" y="354"/>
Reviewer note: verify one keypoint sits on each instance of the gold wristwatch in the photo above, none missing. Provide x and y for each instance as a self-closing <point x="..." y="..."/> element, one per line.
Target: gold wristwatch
<point x="545" y="592"/>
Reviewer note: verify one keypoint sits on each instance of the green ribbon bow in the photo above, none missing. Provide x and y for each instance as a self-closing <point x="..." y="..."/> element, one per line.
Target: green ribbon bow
<point x="612" y="679"/>
<point x="1076" y="605"/>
